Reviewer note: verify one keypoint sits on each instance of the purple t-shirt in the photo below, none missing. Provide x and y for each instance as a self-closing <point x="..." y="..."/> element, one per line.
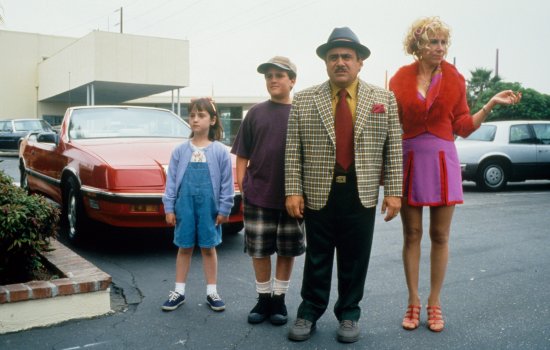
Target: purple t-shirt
<point x="261" y="140"/>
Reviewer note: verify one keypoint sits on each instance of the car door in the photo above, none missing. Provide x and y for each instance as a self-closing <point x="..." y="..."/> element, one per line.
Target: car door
<point x="542" y="132"/>
<point x="2" y="136"/>
<point x="522" y="151"/>
<point x="6" y="138"/>
<point x="46" y="161"/>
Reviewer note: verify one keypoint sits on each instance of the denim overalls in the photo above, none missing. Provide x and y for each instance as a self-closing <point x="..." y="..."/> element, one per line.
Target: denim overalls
<point x="196" y="209"/>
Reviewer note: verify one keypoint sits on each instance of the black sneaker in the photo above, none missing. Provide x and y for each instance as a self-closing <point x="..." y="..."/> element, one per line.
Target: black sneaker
<point x="215" y="302"/>
<point x="262" y="309"/>
<point x="278" y="310"/>
<point x="175" y="299"/>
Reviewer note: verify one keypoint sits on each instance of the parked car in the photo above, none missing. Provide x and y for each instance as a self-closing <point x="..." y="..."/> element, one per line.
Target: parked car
<point x="108" y="164"/>
<point x="504" y="151"/>
<point x="13" y="130"/>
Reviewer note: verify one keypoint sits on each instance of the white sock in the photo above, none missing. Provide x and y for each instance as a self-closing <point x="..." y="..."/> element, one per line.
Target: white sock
<point x="180" y="288"/>
<point x="280" y="287"/>
<point x="263" y="287"/>
<point x="211" y="289"/>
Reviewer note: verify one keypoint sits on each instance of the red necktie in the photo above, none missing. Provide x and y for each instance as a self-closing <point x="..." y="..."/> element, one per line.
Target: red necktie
<point x="344" y="131"/>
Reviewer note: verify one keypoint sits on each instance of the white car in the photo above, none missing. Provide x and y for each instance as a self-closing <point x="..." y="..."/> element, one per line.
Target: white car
<point x="502" y="151"/>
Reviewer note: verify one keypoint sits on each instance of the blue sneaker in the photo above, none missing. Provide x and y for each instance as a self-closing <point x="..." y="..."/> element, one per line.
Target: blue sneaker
<point x="175" y="299"/>
<point x="215" y="302"/>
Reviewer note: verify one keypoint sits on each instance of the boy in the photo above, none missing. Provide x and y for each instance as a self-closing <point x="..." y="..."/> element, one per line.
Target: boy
<point x="260" y="150"/>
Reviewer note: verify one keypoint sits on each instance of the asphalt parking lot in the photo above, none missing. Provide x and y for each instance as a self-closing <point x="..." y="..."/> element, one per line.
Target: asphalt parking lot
<point x="496" y="293"/>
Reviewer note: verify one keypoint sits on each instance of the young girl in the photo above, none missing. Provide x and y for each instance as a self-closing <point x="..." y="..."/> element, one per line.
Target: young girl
<point x="198" y="199"/>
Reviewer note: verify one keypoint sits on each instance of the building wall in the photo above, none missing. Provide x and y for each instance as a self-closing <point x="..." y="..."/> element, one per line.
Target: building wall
<point x="21" y="54"/>
<point x="35" y="67"/>
<point x="69" y="68"/>
<point x="115" y="58"/>
<point x="129" y="60"/>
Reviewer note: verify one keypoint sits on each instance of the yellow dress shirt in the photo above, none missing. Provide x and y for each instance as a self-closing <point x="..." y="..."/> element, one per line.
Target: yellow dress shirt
<point x="352" y="98"/>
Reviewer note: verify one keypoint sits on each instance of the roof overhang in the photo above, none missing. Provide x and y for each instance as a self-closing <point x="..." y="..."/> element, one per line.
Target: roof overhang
<point x="111" y="68"/>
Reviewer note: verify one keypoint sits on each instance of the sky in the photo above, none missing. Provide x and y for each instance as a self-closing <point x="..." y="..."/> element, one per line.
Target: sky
<point x="229" y="39"/>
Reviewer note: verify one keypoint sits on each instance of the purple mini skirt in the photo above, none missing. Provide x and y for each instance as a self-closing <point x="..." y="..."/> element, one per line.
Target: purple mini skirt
<point x="431" y="172"/>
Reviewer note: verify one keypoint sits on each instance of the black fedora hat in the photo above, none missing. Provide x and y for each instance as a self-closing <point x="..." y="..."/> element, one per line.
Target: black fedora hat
<point x="343" y="37"/>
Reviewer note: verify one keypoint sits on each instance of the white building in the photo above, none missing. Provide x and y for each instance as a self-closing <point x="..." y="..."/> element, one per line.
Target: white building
<point x="42" y="75"/>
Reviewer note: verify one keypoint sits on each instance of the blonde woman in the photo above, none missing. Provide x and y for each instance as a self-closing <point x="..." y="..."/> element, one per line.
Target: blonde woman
<point x="431" y="98"/>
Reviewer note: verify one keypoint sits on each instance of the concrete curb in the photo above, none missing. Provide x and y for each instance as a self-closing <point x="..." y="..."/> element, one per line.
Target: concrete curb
<point x="82" y="292"/>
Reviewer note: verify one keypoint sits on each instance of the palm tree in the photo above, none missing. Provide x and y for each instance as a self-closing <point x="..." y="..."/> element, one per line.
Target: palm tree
<point x="480" y="81"/>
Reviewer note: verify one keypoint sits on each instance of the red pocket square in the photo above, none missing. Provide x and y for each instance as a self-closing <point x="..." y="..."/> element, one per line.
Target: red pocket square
<point x="378" y="108"/>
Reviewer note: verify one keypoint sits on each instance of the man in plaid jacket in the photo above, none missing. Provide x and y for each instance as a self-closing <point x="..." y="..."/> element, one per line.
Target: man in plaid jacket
<point x="338" y="202"/>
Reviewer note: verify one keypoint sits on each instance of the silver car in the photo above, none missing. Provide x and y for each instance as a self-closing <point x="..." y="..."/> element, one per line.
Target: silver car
<point x="503" y="151"/>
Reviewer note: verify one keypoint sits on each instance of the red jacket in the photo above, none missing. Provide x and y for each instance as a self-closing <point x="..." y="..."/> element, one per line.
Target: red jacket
<point x="443" y="113"/>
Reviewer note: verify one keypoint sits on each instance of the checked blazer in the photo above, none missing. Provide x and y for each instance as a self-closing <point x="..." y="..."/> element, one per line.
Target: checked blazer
<point x="310" y="153"/>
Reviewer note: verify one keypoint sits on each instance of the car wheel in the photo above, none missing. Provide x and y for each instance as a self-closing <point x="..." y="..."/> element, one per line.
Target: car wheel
<point x="492" y="176"/>
<point x="74" y="217"/>
<point x="232" y="228"/>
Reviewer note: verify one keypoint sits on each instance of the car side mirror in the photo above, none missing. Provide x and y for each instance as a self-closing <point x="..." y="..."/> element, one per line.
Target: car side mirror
<point x="48" y="137"/>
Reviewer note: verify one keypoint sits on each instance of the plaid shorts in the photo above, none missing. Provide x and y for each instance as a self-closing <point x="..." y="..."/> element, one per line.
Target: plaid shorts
<point x="267" y="231"/>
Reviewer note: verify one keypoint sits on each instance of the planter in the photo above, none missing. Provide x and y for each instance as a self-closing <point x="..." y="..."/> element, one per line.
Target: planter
<point x="83" y="292"/>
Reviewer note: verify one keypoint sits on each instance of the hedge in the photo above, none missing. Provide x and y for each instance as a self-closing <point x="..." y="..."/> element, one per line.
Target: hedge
<point x="27" y="222"/>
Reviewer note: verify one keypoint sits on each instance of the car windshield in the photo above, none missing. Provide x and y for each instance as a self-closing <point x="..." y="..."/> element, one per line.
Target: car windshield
<point x="484" y="133"/>
<point x="30" y="125"/>
<point x="118" y="122"/>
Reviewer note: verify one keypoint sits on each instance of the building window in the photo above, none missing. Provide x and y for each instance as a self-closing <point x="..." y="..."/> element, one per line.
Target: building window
<point x="231" y="118"/>
<point x="53" y="120"/>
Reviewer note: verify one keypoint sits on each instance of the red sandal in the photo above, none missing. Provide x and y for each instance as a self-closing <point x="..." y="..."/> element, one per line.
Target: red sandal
<point x="435" y="319"/>
<point x="411" y="320"/>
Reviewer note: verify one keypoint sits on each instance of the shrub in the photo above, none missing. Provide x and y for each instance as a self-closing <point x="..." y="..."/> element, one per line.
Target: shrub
<point x="26" y="224"/>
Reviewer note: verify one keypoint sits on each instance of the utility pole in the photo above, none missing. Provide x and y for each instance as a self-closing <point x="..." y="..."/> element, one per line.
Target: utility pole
<point x="496" y="66"/>
<point x="121" y="18"/>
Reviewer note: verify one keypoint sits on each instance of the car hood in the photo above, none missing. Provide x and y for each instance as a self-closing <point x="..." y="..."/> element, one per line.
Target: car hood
<point x="131" y="152"/>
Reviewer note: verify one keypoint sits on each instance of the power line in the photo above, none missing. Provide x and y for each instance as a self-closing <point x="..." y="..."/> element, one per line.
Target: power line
<point x="149" y="10"/>
<point x="170" y="15"/>
<point x="231" y="19"/>
<point x="268" y="18"/>
<point x="107" y="12"/>
<point x="80" y="25"/>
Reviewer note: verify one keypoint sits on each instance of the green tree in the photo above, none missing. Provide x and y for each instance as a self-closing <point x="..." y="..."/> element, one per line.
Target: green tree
<point x="482" y="86"/>
<point x="533" y="106"/>
<point x="480" y="81"/>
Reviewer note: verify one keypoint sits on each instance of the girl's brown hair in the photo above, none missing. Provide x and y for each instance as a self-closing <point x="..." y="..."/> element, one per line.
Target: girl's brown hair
<point x="206" y="104"/>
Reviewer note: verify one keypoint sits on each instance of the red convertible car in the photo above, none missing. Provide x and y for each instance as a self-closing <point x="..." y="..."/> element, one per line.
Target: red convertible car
<point x="108" y="164"/>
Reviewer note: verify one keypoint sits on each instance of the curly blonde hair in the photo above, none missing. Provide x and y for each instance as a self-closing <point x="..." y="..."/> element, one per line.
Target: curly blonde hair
<point x="419" y="34"/>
